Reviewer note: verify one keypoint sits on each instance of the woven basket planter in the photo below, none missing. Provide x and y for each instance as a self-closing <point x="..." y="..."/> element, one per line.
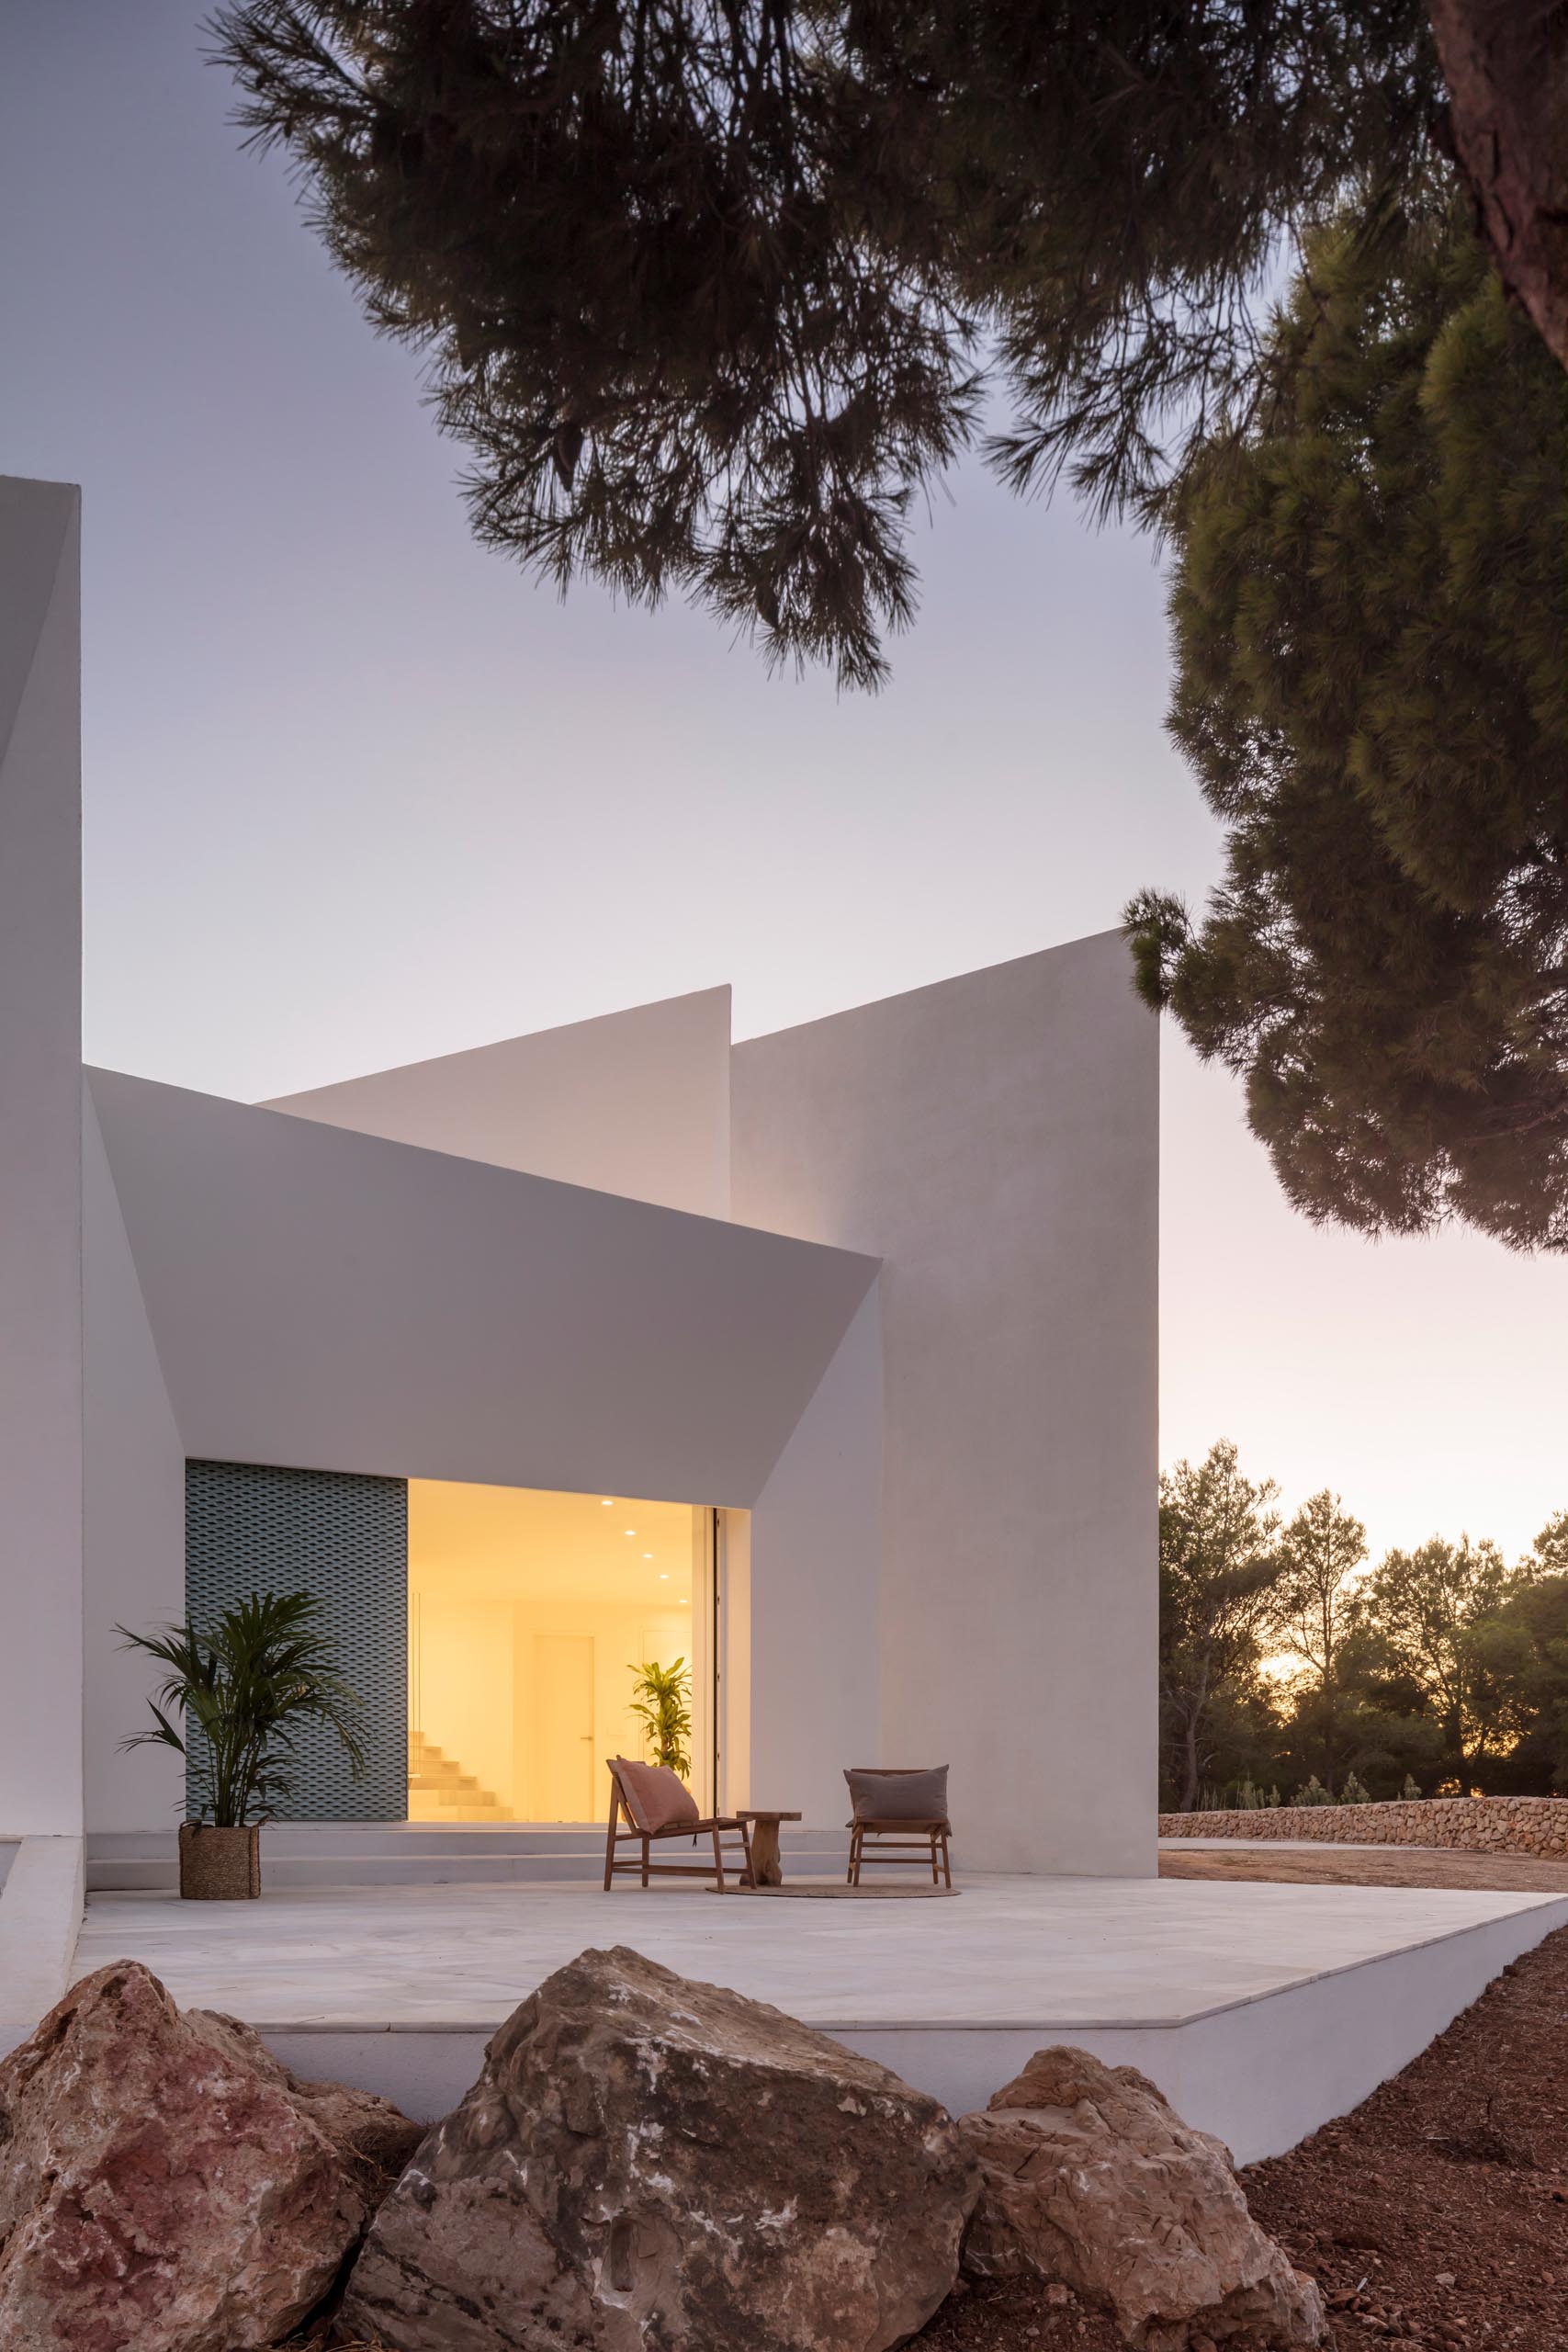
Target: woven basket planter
<point x="218" y="1865"/>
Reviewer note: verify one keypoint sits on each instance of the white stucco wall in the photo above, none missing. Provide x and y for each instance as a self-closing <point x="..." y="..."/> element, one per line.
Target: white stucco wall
<point x="133" y="1530"/>
<point x="815" y="1580"/>
<point x="636" y="1102"/>
<point x="995" y="1139"/>
<point x="332" y="1301"/>
<point x="41" y="1201"/>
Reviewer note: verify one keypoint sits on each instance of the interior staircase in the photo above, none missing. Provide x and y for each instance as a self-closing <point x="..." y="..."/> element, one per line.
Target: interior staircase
<point x="439" y="1788"/>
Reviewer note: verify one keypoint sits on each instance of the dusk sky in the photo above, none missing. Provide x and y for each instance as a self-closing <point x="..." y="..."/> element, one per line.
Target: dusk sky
<point x="357" y="792"/>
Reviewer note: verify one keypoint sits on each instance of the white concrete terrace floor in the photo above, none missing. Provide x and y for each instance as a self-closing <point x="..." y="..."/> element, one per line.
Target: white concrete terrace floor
<point x="1261" y="2009"/>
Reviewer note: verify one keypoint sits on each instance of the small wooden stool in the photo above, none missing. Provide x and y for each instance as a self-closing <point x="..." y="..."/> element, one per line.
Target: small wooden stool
<point x="766" y="1867"/>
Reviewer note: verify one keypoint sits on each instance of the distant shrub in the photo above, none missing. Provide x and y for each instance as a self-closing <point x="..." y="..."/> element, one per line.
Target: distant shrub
<point x="1409" y="1791"/>
<point x="1353" y="1793"/>
<point x="1313" y="1793"/>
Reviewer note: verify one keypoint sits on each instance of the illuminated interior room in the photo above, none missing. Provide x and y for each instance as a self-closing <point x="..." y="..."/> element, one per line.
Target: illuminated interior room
<point x="531" y="1616"/>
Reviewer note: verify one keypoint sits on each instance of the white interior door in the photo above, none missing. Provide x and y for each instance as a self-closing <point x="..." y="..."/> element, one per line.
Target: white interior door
<point x="565" y="1767"/>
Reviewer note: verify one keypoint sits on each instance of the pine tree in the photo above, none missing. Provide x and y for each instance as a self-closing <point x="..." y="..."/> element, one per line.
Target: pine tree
<point x="1217" y="1566"/>
<point x="1435" y="1611"/>
<point x="1369" y="609"/>
<point x="709" y="294"/>
<point x="1312" y="1606"/>
<point x="1548" y="1554"/>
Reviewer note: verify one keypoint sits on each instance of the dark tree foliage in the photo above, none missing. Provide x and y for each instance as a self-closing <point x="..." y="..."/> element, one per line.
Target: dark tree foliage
<point x="1371" y="616"/>
<point x="1312" y="1615"/>
<point x="1526" y="1650"/>
<point x="710" y="291"/>
<point x="1447" y="1670"/>
<point x="1218" y="1569"/>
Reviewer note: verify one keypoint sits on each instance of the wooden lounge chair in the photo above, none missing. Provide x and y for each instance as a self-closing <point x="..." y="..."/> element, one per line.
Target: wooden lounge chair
<point x="887" y="1827"/>
<point x="658" y="1807"/>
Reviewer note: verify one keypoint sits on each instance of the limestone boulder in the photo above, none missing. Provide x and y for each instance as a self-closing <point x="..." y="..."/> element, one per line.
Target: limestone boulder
<point x="165" y="2185"/>
<point x="650" y="2164"/>
<point x="1089" y="2177"/>
<point x="373" y="2137"/>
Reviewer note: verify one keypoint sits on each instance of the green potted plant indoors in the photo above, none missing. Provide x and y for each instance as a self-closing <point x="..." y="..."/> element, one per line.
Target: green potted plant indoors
<point x="242" y="1688"/>
<point x="661" y="1701"/>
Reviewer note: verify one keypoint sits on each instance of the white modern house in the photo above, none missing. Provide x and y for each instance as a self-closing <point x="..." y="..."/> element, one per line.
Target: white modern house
<point x="825" y="1361"/>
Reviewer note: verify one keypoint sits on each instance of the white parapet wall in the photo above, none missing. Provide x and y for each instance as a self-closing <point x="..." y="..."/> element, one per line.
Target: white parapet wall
<point x="1261" y="2074"/>
<point x="41" y="1917"/>
<point x="40" y="1160"/>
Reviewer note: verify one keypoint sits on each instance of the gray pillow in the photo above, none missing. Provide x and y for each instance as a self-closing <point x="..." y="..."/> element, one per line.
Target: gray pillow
<point x="900" y="1796"/>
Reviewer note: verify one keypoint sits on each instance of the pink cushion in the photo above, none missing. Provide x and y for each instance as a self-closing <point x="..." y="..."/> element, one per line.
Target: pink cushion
<point x="655" y="1797"/>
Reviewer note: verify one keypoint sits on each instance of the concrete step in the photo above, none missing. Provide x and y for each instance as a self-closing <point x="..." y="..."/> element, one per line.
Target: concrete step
<point x="364" y="1870"/>
<point x="398" y="1853"/>
<point x="355" y="1837"/>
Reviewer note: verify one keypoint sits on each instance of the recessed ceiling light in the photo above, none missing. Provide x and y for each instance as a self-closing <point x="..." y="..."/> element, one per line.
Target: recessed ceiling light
<point x="685" y="1602"/>
<point x="663" y="1573"/>
<point x="608" y="1501"/>
<point x="647" y="1556"/>
<point x="631" y="1531"/>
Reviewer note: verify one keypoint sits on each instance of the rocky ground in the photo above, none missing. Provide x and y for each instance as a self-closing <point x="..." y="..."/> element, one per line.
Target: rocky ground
<point x="1367" y="1866"/>
<point x="1435" y="2215"/>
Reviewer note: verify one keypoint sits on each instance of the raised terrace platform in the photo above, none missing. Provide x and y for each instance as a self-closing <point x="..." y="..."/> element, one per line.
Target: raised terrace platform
<point x="1261" y="2010"/>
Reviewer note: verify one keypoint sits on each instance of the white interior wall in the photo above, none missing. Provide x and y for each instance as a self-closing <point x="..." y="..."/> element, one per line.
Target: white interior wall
<point x="479" y="1688"/>
<point x="465" y="1671"/>
<point x="636" y="1102"/>
<point x="815" y="1568"/>
<point x="995" y="1139"/>
<point x="41" y="1149"/>
<point x="133" y="1528"/>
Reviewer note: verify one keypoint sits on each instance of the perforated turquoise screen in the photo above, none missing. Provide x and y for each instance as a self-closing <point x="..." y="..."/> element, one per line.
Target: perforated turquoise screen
<point x="344" y="1538"/>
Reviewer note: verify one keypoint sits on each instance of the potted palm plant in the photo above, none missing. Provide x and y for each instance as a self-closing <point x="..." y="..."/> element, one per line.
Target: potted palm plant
<point x="243" y="1690"/>
<point x="661" y="1701"/>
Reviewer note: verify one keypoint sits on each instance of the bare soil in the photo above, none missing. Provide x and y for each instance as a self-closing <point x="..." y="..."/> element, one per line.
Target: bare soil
<point x="1302" y="1865"/>
<point x="1435" y="2214"/>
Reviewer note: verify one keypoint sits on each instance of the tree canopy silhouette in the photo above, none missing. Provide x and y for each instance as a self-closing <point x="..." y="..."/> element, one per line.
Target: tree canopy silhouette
<point x="710" y="291"/>
<point x="1370" y="621"/>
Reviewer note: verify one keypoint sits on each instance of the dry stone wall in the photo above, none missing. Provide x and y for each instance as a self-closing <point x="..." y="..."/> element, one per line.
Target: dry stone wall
<point x="1473" y="1824"/>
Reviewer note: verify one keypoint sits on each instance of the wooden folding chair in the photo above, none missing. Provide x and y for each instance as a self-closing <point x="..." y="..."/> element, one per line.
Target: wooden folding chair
<point x="717" y="1828"/>
<point x="896" y="1841"/>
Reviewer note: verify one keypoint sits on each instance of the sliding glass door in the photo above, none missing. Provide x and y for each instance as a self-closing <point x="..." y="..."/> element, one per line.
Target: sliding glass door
<point x="538" y="1623"/>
